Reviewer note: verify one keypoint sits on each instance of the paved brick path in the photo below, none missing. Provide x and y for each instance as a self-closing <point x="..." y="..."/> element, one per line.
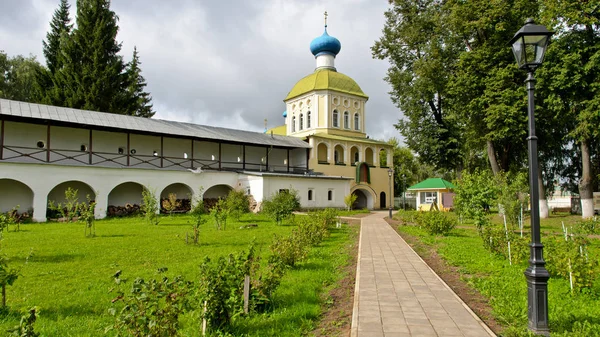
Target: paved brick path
<point x="397" y="294"/>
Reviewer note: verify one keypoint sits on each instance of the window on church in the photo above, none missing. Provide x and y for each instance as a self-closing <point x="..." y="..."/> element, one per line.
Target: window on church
<point x="356" y="157"/>
<point x="336" y="121"/>
<point x="308" y="120"/>
<point x="294" y="124"/>
<point x="301" y="125"/>
<point x="330" y="195"/>
<point x="356" y="122"/>
<point x="346" y="120"/>
<point x="310" y="195"/>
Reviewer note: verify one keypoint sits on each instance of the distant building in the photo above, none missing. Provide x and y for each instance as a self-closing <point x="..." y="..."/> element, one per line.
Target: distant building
<point x="433" y="193"/>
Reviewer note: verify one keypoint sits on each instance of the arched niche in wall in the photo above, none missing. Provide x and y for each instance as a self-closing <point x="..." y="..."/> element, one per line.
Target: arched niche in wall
<point x="126" y="193"/>
<point x="57" y="194"/>
<point x="369" y="156"/>
<point x="15" y="194"/>
<point x="322" y="151"/>
<point x="183" y="193"/>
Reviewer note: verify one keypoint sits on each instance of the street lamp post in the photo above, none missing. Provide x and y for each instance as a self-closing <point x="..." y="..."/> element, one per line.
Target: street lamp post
<point x="390" y="174"/>
<point x="404" y="192"/>
<point x="529" y="45"/>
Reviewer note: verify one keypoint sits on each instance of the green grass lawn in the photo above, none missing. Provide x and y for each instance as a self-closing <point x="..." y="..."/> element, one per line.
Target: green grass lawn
<point x="69" y="276"/>
<point x="569" y="314"/>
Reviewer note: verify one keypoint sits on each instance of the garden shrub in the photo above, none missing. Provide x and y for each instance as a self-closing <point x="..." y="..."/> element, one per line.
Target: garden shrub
<point x="237" y="203"/>
<point x="150" y="206"/>
<point x="311" y="230"/>
<point x="199" y="218"/>
<point x="349" y="200"/>
<point x="281" y="205"/>
<point x="25" y="327"/>
<point x="495" y="239"/>
<point x="87" y="216"/>
<point x="222" y="286"/>
<point x="408" y="217"/>
<point x="288" y="250"/>
<point x="588" y="226"/>
<point x="220" y="213"/>
<point x="152" y="308"/>
<point x="437" y="223"/>
<point x="171" y="203"/>
<point x="570" y="258"/>
<point x="264" y="283"/>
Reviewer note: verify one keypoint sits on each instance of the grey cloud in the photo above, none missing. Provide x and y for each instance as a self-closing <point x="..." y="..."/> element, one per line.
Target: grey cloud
<point x="231" y="62"/>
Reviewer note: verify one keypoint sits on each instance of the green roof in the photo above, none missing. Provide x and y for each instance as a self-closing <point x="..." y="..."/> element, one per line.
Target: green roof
<point x="432" y="184"/>
<point x="326" y="79"/>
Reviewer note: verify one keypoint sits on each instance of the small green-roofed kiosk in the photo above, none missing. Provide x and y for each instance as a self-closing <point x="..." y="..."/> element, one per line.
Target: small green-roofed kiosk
<point x="434" y="193"/>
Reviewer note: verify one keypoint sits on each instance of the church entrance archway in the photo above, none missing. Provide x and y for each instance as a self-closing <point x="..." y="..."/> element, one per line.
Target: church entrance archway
<point x="364" y="199"/>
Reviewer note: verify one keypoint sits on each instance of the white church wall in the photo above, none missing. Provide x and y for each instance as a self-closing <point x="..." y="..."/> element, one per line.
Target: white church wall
<point x="177" y="152"/>
<point x="67" y="142"/>
<point x="106" y="147"/>
<point x="22" y="138"/>
<point x="206" y="154"/>
<point x="42" y="178"/>
<point x="339" y="187"/>
<point x="142" y="149"/>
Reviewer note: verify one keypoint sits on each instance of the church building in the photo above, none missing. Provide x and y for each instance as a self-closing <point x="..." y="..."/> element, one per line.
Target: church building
<point x="328" y="109"/>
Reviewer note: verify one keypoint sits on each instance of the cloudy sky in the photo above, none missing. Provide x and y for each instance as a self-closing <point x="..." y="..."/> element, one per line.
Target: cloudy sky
<point x="228" y="63"/>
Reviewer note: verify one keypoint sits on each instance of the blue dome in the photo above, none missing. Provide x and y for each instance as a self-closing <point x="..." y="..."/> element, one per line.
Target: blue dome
<point x="284" y="114"/>
<point x="325" y="44"/>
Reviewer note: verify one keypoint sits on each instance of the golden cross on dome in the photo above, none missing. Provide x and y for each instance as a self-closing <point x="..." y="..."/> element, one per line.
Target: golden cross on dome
<point x="325" y="14"/>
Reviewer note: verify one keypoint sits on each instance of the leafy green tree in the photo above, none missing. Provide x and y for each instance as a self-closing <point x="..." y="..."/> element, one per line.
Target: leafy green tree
<point x="570" y="76"/>
<point x="487" y="90"/>
<point x="141" y="105"/>
<point x="281" y="205"/>
<point x="18" y="77"/>
<point x="474" y="194"/>
<point x="422" y="54"/>
<point x="408" y="168"/>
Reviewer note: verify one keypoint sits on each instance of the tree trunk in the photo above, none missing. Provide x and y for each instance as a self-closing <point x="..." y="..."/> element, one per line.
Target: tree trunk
<point x="491" y="152"/>
<point x="585" y="184"/>
<point x="542" y="192"/>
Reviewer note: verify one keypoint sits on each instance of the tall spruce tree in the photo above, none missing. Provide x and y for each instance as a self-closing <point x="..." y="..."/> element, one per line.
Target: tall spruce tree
<point x="92" y="76"/>
<point x="60" y="24"/>
<point x="140" y="100"/>
<point x="48" y="89"/>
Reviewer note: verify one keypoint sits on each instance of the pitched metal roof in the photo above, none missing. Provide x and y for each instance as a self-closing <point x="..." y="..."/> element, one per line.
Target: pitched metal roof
<point x="85" y="118"/>
<point x="432" y="184"/>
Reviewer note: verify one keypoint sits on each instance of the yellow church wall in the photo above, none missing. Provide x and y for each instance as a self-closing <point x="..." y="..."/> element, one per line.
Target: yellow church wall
<point x="379" y="175"/>
<point x="322" y="111"/>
